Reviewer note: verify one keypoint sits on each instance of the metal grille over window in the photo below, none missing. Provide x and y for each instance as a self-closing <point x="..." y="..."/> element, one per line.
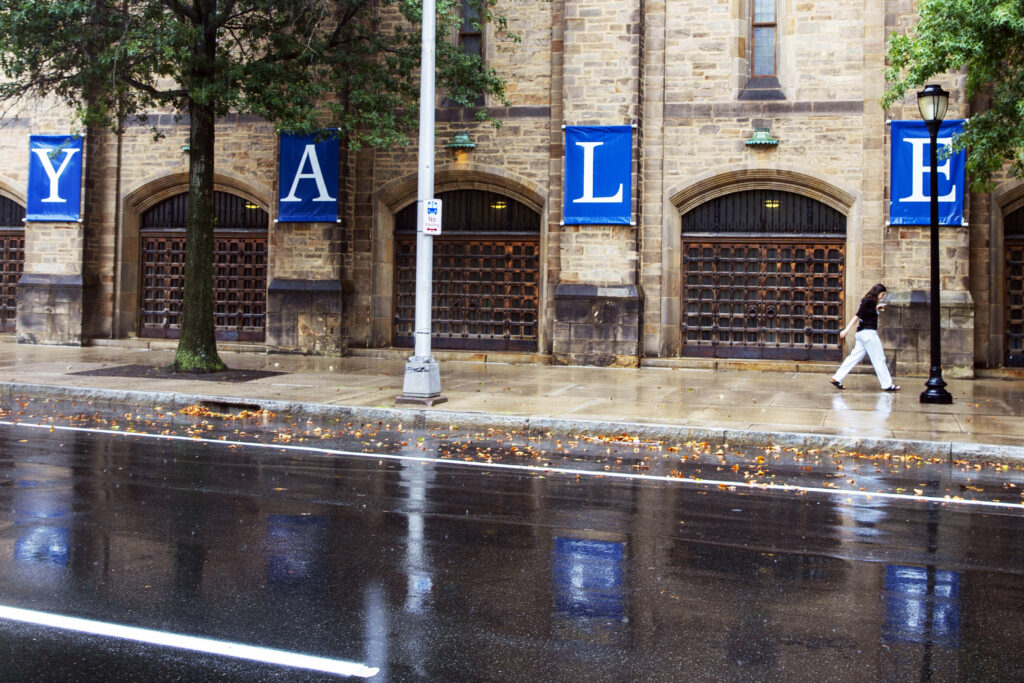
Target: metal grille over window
<point x="763" y="277"/>
<point x="486" y="274"/>
<point x="239" y="268"/>
<point x="1014" y="237"/>
<point x="12" y="260"/>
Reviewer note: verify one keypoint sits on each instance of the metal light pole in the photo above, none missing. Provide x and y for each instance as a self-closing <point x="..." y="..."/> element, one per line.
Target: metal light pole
<point x="422" y="383"/>
<point x="932" y="101"/>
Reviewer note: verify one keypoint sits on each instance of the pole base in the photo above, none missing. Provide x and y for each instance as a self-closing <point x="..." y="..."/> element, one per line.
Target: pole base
<point x="420" y="400"/>
<point x="939" y="396"/>
<point x="936" y="392"/>
<point x="422" y="384"/>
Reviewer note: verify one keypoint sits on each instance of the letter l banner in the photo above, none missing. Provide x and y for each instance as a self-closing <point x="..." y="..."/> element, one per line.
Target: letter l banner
<point x="308" y="179"/>
<point x="54" y="178"/>
<point x="598" y="175"/>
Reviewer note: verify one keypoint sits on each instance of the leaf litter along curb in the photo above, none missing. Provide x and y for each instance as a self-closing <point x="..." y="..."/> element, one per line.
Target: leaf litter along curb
<point x="769" y="467"/>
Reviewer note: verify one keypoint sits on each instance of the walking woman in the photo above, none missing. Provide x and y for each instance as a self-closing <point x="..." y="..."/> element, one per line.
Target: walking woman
<point x="868" y="342"/>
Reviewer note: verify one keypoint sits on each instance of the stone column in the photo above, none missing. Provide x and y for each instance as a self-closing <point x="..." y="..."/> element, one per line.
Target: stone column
<point x="101" y="234"/>
<point x="904" y="262"/>
<point x="50" y="289"/>
<point x="597" y="302"/>
<point x="304" y="295"/>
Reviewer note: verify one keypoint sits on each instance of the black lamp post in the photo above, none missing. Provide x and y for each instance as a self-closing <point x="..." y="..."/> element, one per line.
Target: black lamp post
<point x="932" y="101"/>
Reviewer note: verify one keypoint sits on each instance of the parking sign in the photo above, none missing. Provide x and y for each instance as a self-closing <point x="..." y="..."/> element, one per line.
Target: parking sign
<point x="432" y="217"/>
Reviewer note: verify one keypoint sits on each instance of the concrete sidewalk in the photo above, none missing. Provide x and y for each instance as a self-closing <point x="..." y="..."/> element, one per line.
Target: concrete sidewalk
<point x="797" y="408"/>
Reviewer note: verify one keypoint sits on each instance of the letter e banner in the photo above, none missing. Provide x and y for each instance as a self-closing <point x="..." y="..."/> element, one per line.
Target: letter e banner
<point x="909" y="194"/>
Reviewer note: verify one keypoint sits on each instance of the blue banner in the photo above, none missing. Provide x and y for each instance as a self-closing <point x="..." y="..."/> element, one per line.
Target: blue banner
<point x="308" y="179"/>
<point x="54" y="178"/>
<point x="588" y="577"/>
<point x="598" y="175"/>
<point x="909" y="200"/>
<point x="922" y="605"/>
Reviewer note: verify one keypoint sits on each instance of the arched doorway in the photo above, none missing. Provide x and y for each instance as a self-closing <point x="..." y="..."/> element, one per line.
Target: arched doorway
<point x="1013" y="236"/>
<point x="12" y="260"/>
<point x="239" y="268"/>
<point x="763" y="277"/>
<point x="486" y="274"/>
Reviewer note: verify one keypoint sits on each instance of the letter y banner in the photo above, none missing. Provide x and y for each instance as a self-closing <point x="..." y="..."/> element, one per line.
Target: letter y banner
<point x="54" y="178"/>
<point x="308" y="179"/>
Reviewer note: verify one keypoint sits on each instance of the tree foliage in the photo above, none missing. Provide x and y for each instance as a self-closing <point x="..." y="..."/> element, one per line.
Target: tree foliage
<point x="306" y="65"/>
<point x="985" y="38"/>
<point x="303" y="64"/>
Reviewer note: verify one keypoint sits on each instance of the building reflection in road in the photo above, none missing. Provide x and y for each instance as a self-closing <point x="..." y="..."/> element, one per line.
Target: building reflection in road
<point x="416" y="478"/>
<point x="866" y="422"/>
<point x="375" y="628"/>
<point x="187" y="508"/>
<point x="296" y="547"/>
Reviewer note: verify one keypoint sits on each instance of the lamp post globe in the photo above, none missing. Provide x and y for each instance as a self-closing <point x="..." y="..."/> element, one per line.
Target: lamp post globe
<point x="932" y="103"/>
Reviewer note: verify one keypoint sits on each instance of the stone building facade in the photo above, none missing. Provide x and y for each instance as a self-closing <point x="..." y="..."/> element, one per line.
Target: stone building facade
<point x="708" y="269"/>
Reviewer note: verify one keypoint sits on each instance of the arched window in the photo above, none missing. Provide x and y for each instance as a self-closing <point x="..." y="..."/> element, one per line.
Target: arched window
<point x="239" y="268"/>
<point x="767" y="212"/>
<point x="1013" y="236"/>
<point x="486" y="273"/>
<point x="12" y="260"/>
<point x="763" y="277"/>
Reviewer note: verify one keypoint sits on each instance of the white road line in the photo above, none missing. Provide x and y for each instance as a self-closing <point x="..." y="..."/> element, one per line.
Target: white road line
<point x="719" y="483"/>
<point x="193" y="643"/>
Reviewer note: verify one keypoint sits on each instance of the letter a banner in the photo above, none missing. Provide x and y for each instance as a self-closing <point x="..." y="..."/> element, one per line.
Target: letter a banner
<point x="909" y="194"/>
<point x="308" y="179"/>
<point x="54" y="178"/>
<point x="598" y="175"/>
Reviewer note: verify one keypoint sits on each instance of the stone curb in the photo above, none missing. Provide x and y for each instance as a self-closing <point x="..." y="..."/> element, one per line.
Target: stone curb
<point x="533" y="425"/>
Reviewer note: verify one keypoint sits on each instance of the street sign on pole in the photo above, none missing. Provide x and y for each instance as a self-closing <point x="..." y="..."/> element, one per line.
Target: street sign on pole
<point x="432" y="217"/>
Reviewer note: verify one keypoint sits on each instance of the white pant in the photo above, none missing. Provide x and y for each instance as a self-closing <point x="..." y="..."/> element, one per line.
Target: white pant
<point x="867" y="343"/>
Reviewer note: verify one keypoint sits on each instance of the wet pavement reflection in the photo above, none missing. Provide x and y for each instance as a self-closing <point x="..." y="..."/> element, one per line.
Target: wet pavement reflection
<point x="433" y="570"/>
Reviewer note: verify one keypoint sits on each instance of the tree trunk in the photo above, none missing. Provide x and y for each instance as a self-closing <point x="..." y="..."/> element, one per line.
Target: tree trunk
<point x="197" y="346"/>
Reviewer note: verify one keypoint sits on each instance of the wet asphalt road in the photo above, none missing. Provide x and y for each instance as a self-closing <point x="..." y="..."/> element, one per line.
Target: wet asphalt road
<point x="434" y="570"/>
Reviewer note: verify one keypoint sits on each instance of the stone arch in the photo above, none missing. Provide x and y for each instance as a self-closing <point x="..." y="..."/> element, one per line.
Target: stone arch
<point x="9" y="189"/>
<point x="401" y="192"/>
<point x="134" y="202"/>
<point x="705" y="187"/>
<point x="1007" y="198"/>
<point x="155" y="190"/>
<point x="716" y="185"/>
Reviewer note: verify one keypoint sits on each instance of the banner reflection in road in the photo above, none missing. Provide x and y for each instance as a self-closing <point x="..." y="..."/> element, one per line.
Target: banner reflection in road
<point x="41" y="507"/>
<point x="922" y="605"/>
<point x="588" y="578"/>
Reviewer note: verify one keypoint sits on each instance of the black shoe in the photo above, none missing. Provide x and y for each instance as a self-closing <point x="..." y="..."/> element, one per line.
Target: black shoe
<point x="894" y="387"/>
<point x="839" y="385"/>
